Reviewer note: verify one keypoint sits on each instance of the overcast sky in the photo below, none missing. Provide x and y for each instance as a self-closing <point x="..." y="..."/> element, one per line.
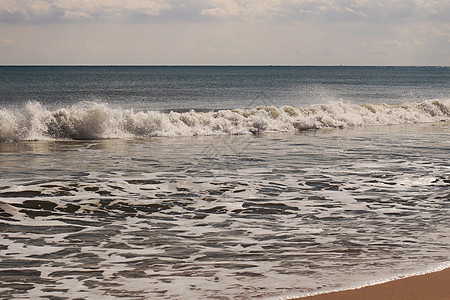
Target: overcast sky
<point x="225" y="32"/>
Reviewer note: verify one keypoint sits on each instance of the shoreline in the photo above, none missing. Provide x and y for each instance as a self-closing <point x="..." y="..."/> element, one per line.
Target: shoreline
<point x="429" y="286"/>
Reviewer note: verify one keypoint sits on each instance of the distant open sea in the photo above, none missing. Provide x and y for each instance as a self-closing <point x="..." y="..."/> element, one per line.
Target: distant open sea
<point x="220" y="182"/>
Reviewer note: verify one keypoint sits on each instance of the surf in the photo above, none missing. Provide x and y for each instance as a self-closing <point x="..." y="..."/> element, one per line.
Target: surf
<point x="97" y="120"/>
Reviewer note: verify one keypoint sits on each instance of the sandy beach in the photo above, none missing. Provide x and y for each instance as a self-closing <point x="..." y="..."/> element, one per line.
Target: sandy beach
<point x="431" y="286"/>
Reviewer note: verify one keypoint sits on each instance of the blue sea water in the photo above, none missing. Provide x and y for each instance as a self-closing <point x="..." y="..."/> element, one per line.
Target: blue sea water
<point x="205" y="88"/>
<point x="220" y="182"/>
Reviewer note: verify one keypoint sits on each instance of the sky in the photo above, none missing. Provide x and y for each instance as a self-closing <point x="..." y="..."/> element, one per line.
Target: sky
<point x="225" y="32"/>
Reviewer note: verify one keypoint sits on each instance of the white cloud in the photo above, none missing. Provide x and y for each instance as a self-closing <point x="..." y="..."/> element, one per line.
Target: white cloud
<point x="382" y="11"/>
<point x="76" y="15"/>
<point x="392" y="11"/>
<point x="222" y="9"/>
<point x="246" y="10"/>
<point x="69" y="10"/>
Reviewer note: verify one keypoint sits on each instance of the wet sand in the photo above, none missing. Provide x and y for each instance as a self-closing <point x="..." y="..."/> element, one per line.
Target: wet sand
<point x="431" y="286"/>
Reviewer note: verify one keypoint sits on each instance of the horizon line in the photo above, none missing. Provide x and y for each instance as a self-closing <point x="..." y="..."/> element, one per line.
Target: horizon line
<point x="207" y="65"/>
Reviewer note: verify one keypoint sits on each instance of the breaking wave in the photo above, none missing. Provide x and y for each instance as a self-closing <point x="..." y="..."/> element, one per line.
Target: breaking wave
<point x="100" y="121"/>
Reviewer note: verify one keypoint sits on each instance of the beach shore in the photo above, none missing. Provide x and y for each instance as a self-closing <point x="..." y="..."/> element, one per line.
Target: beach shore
<point x="432" y="286"/>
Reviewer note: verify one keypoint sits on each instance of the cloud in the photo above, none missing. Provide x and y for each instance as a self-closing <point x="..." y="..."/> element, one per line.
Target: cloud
<point x="246" y="10"/>
<point x="328" y="11"/>
<point x="32" y="11"/>
<point x="391" y="11"/>
<point x="222" y="9"/>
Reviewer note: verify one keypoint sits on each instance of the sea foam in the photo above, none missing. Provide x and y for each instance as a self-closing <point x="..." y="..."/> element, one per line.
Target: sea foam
<point x="92" y="120"/>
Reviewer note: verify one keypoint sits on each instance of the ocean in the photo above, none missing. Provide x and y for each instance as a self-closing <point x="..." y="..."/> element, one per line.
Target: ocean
<point x="220" y="182"/>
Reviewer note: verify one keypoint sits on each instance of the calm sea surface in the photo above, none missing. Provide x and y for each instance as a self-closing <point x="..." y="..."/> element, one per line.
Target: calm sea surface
<point x="220" y="182"/>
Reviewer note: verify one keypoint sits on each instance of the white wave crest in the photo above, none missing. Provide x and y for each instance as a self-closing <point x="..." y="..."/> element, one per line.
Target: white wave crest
<point x="100" y="121"/>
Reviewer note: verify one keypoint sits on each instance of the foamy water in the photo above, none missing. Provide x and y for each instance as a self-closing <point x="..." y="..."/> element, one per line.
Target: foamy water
<point x="429" y="270"/>
<point x="237" y="217"/>
<point x="99" y="121"/>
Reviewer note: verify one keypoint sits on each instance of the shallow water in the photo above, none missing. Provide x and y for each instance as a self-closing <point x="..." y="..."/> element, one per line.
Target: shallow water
<point x="222" y="217"/>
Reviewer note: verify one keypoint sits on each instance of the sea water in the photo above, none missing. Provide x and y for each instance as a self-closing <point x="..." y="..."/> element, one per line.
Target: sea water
<point x="220" y="182"/>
